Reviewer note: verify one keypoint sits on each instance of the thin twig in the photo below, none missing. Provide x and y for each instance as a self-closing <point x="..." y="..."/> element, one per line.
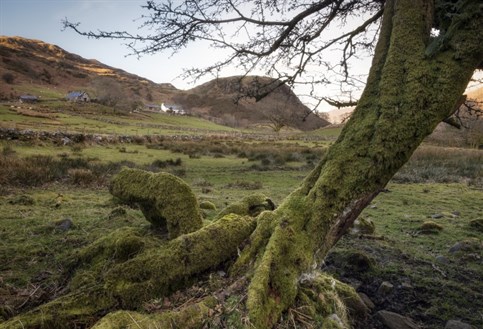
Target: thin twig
<point x="135" y="322"/>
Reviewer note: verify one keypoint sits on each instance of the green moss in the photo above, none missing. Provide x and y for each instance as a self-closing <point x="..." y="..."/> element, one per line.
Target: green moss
<point x="430" y="227"/>
<point x="129" y="267"/>
<point x="207" y="205"/>
<point x="279" y="263"/>
<point x="165" y="200"/>
<point x="333" y="322"/>
<point x="477" y="224"/>
<point x="364" y="226"/>
<point x="63" y="313"/>
<point x="336" y="302"/>
<point x="22" y="199"/>
<point x="191" y="316"/>
<point x="117" y="212"/>
<point x="251" y="205"/>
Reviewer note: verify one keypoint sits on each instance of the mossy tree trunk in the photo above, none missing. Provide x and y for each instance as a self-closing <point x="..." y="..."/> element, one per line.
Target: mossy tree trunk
<point x="415" y="82"/>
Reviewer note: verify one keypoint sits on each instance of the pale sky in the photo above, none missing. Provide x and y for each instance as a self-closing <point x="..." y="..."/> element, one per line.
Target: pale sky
<point x="41" y="19"/>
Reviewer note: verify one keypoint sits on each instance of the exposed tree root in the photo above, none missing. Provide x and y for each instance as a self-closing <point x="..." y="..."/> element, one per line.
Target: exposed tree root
<point x="192" y="316"/>
<point x="166" y="201"/>
<point x="126" y="268"/>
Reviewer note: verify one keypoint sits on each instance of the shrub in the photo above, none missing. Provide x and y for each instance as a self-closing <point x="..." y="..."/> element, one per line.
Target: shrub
<point x="81" y="177"/>
<point x="8" y="150"/>
<point x="166" y="163"/>
<point x="245" y="185"/>
<point x="38" y="170"/>
<point x="8" y="78"/>
<point x="202" y="183"/>
<point x="441" y="165"/>
<point x="76" y="148"/>
<point x="22" y="199"/>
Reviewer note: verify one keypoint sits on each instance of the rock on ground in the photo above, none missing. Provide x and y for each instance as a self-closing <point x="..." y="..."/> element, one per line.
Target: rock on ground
<point x="396" y="321"/>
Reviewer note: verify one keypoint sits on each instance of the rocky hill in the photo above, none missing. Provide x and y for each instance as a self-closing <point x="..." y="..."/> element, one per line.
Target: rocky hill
<point x="33" y="62"/>
<point x="34" y="67"/>
<point x="226" y="100"/>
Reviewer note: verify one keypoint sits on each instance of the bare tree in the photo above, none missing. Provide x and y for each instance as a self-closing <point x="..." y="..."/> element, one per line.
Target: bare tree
<point x="425" y="55"/>
<point x="108" y="91"/>
<point x="277" y="122"/>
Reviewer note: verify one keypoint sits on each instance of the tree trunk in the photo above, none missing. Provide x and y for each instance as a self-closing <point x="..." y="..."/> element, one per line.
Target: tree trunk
<point x="410" y="89"/>
<point x="414" y="83"/>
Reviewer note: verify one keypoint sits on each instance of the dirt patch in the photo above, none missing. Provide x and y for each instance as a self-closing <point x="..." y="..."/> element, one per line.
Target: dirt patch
<point x="430" y="293"/>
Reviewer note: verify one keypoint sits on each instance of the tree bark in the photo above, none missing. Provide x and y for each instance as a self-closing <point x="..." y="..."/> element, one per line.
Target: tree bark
<point x="409" y="91"/>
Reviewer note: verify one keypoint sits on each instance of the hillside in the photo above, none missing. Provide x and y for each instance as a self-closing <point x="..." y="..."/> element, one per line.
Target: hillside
<point x="41" y="69"/>
<point x="48" y="66"/>
<point x="220" y="98"/>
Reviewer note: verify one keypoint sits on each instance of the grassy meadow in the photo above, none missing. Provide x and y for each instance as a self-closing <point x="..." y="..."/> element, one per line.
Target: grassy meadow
<point x="432" y="204"/>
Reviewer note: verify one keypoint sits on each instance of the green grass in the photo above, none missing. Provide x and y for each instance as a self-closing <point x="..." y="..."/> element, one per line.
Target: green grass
<point x="43" y="92"/>
<point x="399" y="213"/>
<point x="425" y="289"/>
<point x="328" y="132"/>
<point x="10" y="119"/>
<point x="95" y="119"/>
<point x="33" y="253"/>
<point x="29" y="242"/>
<point x="36" y="253"/>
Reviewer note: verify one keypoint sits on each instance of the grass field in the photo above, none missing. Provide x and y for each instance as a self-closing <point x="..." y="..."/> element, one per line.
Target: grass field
<point x="94" y="119"/>
<point x="43" y="185"/>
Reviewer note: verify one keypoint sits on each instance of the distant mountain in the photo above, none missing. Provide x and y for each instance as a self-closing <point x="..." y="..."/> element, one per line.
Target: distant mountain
<point x="29" y="65"/>
<point x="223" y="99"/>
<point x="35" y="62"/>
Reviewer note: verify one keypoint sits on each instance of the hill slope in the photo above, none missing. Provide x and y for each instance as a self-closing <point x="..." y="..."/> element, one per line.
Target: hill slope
<point x="42" y="69"/>
<point x="222" y="98"/>
<point x="49" y="66"/>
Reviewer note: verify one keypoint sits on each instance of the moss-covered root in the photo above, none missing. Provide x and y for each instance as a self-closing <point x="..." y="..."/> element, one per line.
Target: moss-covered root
<point x="159" y="270"/>
<point x="190" y="317"/>
<point x="251" y="205"/>
<point x="75" y="310"/>
<point x="123" y="270"/>
<point x="335" y="304"/>
<point x="165" y="200"/>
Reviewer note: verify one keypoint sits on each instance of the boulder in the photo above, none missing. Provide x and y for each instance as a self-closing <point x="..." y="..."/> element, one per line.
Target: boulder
<point x="385" y="288"/>
<point x="396" y="321"/>
<point x="363" y="226"/>
<point x="367" y="301"/>
<point x="430" y="227"/>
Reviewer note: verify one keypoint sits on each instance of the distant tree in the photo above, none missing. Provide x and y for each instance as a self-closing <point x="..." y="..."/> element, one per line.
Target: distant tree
<point x="425" y="55"/>
<point x="277" y="122"/>
<point x="109" y="92"/>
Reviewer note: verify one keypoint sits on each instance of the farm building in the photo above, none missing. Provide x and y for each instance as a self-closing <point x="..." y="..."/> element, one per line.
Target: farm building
<point x="78" y="96"/>
<point x="172" y="109"/>
<point x="28" y="99"/>
<point x="152" y="107"/>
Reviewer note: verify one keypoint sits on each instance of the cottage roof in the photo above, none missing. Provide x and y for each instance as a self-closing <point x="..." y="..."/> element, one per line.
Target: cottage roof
<point x="75" y="94"/>
<point x="28" y="97"/>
